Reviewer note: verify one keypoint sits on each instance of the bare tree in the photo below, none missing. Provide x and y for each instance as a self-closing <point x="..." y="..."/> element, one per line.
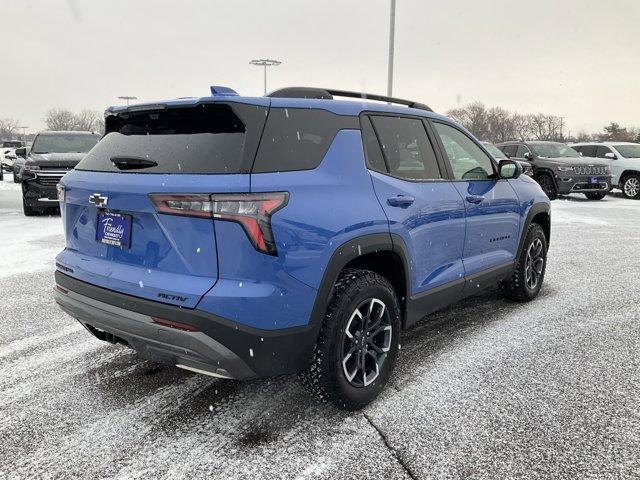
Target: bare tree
<point x="8" y="127"/>
<point x="60" y="119"/>
<point x="88" y="120"/>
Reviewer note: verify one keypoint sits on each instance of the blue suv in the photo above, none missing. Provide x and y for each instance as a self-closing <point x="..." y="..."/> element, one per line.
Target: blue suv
<point x="295" y="233"/>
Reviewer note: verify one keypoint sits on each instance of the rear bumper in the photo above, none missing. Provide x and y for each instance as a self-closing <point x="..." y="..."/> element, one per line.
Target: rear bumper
<point x="217" y="346"/>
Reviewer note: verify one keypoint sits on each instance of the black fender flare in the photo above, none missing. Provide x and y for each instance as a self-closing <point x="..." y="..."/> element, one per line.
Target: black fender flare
<point x="345" y="253"/>
<point x="535" y="209"/>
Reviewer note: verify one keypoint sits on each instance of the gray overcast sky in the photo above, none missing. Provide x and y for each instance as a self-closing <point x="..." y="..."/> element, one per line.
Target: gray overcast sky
<point x="575" y="58"/>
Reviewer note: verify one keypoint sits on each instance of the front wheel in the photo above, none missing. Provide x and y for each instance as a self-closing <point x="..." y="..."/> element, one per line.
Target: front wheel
<point x="595" y="196"/>
<point x="526" y="280"/>
<point x="631" y="186"/>
<point x="27" y="210"/>
<point x="548" y="186"/>
<point x="358" y="342"/>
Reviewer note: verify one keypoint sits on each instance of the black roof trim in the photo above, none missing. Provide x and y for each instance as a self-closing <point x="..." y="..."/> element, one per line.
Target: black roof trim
<point x="328" y="94"/>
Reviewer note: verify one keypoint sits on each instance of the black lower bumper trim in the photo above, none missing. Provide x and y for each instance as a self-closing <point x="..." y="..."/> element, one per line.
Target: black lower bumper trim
<point x="265" y="352"/>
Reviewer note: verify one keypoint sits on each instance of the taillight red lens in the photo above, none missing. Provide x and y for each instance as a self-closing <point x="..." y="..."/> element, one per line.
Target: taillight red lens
<point x="251" y="210"/>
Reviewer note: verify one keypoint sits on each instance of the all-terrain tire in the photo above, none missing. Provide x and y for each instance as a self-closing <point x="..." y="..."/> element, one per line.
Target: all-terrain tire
<point x="595" y="196"/>
<point x="548" y="186"/>
<point x="325" y="376"/>
<point x="28" y="211"/>
<point x="517" y="287"/>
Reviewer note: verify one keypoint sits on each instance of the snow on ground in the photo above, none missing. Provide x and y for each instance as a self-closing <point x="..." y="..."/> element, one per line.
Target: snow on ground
<point x="28" y="244"/>
<point x="484" y="389"/>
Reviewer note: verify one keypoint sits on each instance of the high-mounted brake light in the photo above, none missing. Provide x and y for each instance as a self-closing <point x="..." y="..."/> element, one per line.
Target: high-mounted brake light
<point x="251" y="210"/>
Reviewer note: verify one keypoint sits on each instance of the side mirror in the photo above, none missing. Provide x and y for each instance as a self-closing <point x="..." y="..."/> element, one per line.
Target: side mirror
<point x="508" y="155"/>
<point x="610" y="155"/>
<point x="509" y="169"/>
<point x="528" y="156"/>
<point x="21" y="152"/>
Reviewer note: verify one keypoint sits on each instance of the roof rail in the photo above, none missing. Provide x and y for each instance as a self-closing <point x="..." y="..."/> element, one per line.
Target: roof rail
<point x="328" y="94"/>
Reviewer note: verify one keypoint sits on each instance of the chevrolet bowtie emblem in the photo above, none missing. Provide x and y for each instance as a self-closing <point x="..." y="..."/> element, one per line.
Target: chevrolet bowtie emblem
<point x="98" y="200"/>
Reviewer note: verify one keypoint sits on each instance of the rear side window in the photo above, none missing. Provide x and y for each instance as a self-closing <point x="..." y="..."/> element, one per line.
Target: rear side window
<point x="209" y="138"/>
<point x="375" y="160"/>
<point x="406" y="148"/>
<point x="298" y="139"/>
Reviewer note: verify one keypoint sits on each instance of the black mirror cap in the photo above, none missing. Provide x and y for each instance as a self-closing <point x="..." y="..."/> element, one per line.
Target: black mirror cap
<point x="509" y="169"/>
<point x="528" y="156"/>
<point x="21" y="152"/>
<point x="508" y="155"/>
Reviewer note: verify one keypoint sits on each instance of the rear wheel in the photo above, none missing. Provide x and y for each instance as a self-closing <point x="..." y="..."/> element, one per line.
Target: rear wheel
<point x="630" y="186"/>
<point x="548" y="186"/>
<point x="595" y="196"/>
<point x="527" y="278"/>
<point x="358" y="342"/>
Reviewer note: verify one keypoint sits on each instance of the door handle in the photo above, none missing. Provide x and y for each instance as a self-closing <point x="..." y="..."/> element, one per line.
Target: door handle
<point x="400" y="201"/>
<point x="475" y="198"/>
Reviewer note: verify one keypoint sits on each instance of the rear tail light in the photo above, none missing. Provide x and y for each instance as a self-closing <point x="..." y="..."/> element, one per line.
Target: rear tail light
<point x="251" y="210"/>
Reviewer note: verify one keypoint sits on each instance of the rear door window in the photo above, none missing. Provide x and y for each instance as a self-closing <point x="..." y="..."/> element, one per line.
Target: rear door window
<point x="406" y="147"/>
<point x="588" y="150"/>
<point x="602" y="150"/>
<point x="298" y="138"/>
<point x="207" y="138"/>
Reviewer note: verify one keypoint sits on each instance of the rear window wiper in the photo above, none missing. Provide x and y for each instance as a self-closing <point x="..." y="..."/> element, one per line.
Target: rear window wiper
<point x="132" y="163"/>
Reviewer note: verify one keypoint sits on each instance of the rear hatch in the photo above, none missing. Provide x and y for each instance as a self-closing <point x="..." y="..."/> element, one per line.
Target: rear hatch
<point x="116" y="236"/>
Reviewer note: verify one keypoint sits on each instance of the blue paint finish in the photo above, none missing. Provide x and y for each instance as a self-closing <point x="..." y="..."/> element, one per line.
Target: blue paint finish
<point x="212" y="264"/>
<point x="492" y="225"/>
<point x="432" y="227"/>
<point x="327" y="207"/>
<point x="254" y="289"/>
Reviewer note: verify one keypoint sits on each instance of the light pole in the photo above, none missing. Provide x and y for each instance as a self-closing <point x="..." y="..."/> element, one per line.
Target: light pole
<point x="128" y="98"/>
<point x="24" y="134"/>
<point x="392" y="31"/>
<point x="265" y="62"/>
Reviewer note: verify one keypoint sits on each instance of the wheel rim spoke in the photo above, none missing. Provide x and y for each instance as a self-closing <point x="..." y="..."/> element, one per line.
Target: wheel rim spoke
<point x="366" y="342"/>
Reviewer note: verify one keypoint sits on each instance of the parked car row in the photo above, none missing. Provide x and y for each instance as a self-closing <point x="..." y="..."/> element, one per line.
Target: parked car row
<point x="591" y="168"/>
<point x="41" y="167"/>
<point x="8" y="155"/>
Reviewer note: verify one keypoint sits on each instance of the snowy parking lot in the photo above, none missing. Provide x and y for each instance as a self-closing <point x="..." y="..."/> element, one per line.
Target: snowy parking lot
<point x="485" y="389"/>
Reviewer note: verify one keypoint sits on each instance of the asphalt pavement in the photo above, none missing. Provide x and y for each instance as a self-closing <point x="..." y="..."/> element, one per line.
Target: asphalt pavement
<point x="484" y="389"/>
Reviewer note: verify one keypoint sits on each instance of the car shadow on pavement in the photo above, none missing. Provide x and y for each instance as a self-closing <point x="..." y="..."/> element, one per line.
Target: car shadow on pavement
<point x="259" y="412"/>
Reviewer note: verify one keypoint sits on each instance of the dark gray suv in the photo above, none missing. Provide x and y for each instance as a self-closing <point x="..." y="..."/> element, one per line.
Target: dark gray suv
<point x="560" y="170"/>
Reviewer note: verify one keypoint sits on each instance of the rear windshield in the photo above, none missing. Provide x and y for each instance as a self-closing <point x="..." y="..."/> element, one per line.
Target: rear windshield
<point x="64" y="143"/>
<point x="209" y="138"/>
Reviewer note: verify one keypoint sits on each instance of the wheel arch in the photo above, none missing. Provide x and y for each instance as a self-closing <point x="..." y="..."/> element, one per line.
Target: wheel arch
<point x="539" y="213"/>
<point x="628" y="172"/>
<point x="375" y="252"/>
